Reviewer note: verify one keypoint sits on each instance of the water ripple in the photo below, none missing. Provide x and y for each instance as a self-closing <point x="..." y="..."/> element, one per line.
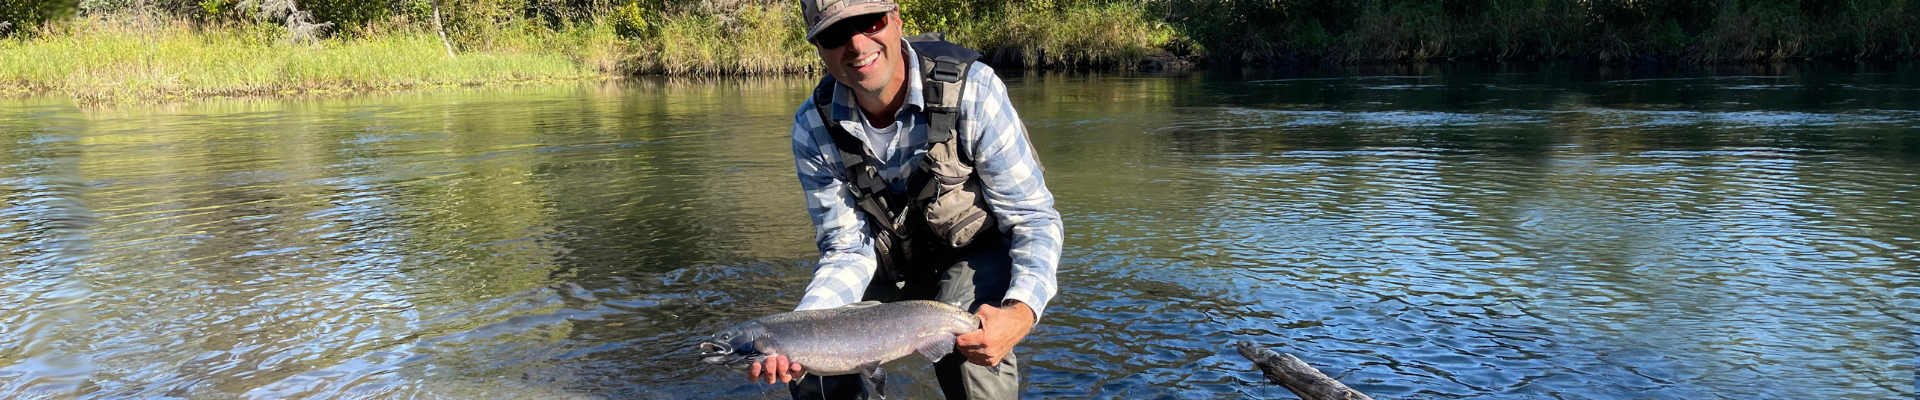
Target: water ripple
<point x="1417" y="233"/>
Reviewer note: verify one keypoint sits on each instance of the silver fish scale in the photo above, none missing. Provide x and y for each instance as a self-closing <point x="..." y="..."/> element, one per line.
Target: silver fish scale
<point x="838" y="341"/>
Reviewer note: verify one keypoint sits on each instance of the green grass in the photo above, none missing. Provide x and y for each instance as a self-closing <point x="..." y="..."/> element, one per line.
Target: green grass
<point x="752" y="40"/>
<point x="1043" y="34"/>
<point x="122" y="59"/>
<point x="1082" y="35"/>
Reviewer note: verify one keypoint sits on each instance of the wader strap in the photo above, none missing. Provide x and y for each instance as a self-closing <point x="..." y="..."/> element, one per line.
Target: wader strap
<point x="870" y="191"/>
<point x="943" y="74"/>
<point x="942" y="95"/>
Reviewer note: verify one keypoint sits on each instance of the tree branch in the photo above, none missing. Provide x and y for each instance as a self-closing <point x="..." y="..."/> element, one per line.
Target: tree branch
<point x="441" y="28"/>
<point x="1302" y="379"/>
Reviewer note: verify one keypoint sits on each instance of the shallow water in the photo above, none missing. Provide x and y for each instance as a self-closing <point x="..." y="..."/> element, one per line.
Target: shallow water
<point x="1418" y="232"/>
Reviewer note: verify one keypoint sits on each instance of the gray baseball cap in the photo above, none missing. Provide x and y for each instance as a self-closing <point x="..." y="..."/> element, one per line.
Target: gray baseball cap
<point x="820" y="14"/>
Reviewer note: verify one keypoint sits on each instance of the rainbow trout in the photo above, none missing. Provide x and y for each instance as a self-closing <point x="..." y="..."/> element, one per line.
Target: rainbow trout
<point x="855" y="338"/>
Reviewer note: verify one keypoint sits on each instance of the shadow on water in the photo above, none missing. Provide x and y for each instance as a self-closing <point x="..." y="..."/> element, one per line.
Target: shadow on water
<point x="1456" y="231"/>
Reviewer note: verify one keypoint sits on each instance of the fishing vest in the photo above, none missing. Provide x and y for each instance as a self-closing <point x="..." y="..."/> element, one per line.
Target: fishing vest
<point x="944" y="207"/>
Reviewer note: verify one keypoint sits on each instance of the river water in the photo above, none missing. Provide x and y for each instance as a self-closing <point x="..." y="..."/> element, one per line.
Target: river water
<point x="1465" y="231"/>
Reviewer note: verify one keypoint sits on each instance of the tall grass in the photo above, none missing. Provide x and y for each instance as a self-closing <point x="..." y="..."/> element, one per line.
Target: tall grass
<point x="1082" y="35"/>
<point x="1048" y="34"/>
<point x="756" y="39"/>
<point x="1400" y="31"/>
<point x="127" y="57"/>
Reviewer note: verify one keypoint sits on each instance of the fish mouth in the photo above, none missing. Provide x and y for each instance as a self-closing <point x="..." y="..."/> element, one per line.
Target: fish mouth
<point x="712" y="348"/>
<point x="722" y="355"/>
<point x="716" y="352"/>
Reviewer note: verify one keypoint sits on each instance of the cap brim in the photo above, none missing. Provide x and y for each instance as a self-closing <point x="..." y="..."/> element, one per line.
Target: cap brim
<point x="847" y="12"/>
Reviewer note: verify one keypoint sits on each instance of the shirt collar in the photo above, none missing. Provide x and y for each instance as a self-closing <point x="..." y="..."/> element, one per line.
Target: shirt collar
<point x="844" y="105"/>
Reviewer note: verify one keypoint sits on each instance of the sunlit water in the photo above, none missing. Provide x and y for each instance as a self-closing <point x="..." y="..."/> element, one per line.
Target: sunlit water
<point x="1437" y="232"/>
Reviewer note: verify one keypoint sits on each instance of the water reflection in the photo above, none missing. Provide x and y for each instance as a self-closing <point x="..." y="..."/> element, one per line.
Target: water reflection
<point x="43" y="231"/>
<point x="1438" y="231"/>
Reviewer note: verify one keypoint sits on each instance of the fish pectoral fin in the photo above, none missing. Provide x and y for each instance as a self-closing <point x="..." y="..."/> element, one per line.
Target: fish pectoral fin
<point x="936" y="347"/>
<point x="874" y="380"/>
<point x="863" y="304"/>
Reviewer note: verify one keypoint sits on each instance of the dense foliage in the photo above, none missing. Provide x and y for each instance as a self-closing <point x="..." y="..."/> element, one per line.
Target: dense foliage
<point x="22" y="15"/>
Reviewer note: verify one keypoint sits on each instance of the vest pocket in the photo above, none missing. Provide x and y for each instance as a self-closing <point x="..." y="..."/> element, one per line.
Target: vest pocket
<point x="957" y="211"/>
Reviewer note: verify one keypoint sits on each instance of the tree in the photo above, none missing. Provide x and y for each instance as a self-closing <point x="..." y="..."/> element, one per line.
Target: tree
<point x="300" y="25"/>
<point x="442" y="29"/>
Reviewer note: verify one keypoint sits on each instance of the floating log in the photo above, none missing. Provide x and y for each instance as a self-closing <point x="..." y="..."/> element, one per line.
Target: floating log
<point x="1296" y="375"/>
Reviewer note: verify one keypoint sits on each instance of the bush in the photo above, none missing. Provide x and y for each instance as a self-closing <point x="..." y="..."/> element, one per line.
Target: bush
<point x="630" y="20"/>
<point x="25" y="15"/>
<point x="1403" y="31"/>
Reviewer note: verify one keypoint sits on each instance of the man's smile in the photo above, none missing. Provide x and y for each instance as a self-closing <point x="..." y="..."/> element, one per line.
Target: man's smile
<point x="863" y="62"/>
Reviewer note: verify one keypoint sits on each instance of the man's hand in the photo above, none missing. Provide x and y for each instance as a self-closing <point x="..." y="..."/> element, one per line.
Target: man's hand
<point x="775" y="369"/>
<point x="1000" y="330"/>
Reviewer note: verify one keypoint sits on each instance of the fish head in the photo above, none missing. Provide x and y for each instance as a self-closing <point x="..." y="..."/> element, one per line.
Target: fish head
<point x="733" y="348"/>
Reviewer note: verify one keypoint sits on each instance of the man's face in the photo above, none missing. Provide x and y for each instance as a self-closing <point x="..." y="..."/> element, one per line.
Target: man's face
<point x="870" y="56"/>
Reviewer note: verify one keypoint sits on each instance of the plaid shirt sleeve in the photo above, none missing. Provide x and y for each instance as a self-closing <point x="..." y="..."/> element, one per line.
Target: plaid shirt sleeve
<point x="847" y="262"/>
<point x="1015" y="187"/>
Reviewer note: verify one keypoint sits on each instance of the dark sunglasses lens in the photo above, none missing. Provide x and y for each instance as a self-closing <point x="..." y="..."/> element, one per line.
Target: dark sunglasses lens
<point x="838" y="34"/>
<point x="832" y="39"/>
<point x="874" y="26"/>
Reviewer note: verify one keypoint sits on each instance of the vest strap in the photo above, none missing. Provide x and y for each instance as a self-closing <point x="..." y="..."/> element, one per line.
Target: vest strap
<point x="870" y="191"/>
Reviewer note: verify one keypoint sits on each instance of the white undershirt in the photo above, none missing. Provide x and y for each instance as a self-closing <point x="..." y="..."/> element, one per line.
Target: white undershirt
<point x="881" y="141"/>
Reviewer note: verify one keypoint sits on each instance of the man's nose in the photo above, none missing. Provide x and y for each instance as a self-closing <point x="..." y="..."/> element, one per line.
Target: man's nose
<point x="861" y="44"/>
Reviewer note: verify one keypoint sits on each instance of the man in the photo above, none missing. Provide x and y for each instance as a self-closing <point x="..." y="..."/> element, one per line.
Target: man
<point x="922" y="185"/>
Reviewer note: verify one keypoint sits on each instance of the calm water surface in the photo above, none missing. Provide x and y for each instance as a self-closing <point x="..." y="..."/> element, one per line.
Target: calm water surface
<point x="1437" y="232"/>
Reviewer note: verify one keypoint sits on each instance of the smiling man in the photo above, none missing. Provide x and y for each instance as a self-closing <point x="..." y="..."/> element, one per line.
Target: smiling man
<point x="922" y="185"/>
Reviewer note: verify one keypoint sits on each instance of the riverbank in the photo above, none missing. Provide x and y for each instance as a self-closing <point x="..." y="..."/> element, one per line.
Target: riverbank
<point x="125" y="57"/>
<point x="110" y="60"/>
<point x="114" y="53"/>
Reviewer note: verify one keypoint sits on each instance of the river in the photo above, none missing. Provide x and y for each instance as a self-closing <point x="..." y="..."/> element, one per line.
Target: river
<point x="1445" y="231"/>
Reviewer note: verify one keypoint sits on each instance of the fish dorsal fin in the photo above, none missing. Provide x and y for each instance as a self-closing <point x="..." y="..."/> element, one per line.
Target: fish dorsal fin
<point x="863" y="304"/>
<point x="936" y="347"/>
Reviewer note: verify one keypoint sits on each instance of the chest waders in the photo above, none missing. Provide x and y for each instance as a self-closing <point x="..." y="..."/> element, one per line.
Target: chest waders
<point x="944" y="207"/>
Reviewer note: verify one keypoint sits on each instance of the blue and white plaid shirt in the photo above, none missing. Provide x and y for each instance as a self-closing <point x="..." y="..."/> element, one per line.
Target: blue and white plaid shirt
<point x="991" y="134"/>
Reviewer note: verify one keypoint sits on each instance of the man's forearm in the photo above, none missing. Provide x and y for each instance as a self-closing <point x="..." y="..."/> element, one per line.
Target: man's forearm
<point x="1036" y="249"/>
<point x="1020" y="312"/>
<point x="838" y="280"/>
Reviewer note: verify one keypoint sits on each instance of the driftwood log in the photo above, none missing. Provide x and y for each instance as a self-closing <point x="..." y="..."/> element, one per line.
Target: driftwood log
<point x="1296" y="375"/>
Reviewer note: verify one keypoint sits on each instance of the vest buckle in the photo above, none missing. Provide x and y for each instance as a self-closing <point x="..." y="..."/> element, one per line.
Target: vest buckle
<point x="946" y="69"/>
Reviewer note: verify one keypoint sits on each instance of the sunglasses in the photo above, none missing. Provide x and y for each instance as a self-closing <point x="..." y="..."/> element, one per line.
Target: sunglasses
<point x="837" y="35"/>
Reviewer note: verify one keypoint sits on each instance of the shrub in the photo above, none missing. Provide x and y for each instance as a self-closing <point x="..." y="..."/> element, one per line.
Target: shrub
<point x="25" y="15"/>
